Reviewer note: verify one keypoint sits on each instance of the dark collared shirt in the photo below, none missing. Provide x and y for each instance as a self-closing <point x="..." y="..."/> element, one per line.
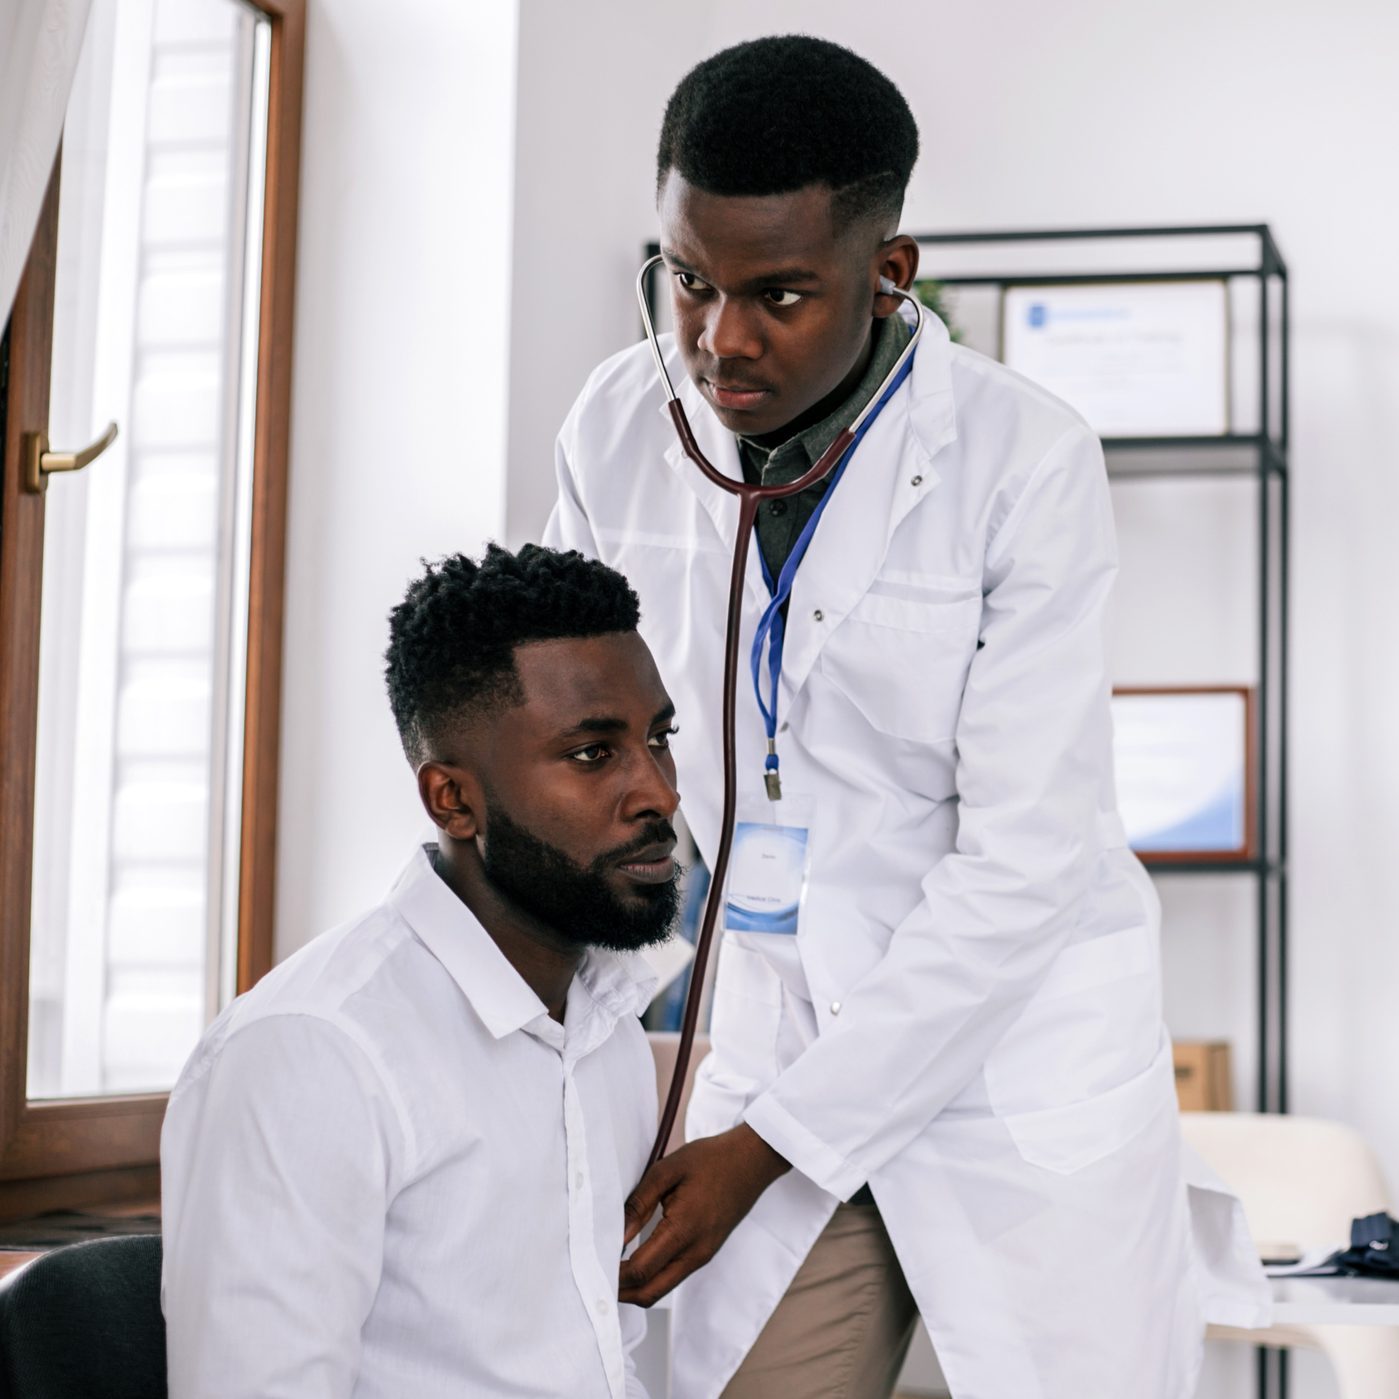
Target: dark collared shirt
<point x="780" y="522"/>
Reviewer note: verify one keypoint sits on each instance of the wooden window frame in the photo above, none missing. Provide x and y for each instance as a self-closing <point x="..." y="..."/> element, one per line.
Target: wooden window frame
<point x="72" y="1151"/>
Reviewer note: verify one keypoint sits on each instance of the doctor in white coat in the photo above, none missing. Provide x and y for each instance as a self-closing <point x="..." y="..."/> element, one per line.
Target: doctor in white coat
<point x="965" y="1034"/>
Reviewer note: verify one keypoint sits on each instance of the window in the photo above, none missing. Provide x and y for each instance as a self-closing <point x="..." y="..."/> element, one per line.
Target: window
<point x="140" y="599"/>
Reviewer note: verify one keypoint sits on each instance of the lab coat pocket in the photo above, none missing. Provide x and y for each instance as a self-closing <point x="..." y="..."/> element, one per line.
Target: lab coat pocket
<point x="1066" y="1139"/>
<point x="747" y="1012"/>
<point x="903" y="662"/>
<point x="1092" y="1025"/>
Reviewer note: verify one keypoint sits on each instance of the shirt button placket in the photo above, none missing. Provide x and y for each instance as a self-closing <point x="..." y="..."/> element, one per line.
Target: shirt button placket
<point x="588" y="1276"/>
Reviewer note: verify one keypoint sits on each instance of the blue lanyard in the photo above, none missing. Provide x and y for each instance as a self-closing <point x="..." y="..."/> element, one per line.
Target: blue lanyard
<point x="770" y="625"/>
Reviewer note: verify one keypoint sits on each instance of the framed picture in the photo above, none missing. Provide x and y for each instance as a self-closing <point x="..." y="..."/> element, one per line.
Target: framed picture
<point x="1185" y="772"/>
<point x="1137" y="359"/>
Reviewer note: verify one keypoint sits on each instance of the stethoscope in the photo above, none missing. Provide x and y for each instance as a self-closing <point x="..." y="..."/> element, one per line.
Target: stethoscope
<point x="832" y="460"/>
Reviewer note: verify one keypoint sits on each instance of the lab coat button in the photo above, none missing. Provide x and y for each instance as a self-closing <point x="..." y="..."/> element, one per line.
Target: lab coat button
<point x="835" y="1007"/>
<point x="917" y="481"/>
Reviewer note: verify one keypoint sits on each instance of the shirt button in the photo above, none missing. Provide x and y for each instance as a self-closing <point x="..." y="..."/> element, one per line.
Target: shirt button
<point x="835" y="1007"/>
<point x="601" y="1305"/>
<point x="578" y="1180"/>
<point x="777" y="507"/>
<point x="819" y="615"/>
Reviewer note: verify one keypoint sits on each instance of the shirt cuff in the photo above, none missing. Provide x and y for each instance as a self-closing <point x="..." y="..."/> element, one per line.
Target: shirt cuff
<point x="807" y="1152"/>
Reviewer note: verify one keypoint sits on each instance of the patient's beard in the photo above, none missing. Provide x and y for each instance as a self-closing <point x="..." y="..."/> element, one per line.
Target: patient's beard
<point x="576" y="901"/>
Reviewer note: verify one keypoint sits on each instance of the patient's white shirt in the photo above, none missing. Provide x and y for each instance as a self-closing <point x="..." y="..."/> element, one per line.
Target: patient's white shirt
<point x="388" y="1174"/>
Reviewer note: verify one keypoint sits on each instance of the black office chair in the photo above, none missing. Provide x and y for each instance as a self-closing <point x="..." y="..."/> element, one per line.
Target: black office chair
<point x="84" y="1322"/>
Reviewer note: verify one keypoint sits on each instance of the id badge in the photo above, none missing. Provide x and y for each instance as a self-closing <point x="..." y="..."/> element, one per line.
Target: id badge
<point x="769" y="866"/>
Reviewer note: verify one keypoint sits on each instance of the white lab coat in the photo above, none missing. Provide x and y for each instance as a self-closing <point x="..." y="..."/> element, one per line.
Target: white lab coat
<point x="980" y="947"/>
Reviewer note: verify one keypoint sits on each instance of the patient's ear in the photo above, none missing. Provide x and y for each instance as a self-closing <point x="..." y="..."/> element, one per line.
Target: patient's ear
<point x="452" y="797"/>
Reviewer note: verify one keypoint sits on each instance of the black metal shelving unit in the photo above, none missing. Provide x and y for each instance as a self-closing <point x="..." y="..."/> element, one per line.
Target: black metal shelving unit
<point x="1261" y="454"/>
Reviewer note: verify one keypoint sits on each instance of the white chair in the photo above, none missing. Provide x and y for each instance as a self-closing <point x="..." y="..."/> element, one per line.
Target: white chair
<point x="1302" y="1180"/>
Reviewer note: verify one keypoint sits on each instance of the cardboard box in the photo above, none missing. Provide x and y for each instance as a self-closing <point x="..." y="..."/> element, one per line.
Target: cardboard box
<point x="1204" y="1079"/>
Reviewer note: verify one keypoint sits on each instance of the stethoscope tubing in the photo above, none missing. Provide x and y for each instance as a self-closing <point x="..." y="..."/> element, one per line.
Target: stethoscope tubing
<point x="750" y="497"/>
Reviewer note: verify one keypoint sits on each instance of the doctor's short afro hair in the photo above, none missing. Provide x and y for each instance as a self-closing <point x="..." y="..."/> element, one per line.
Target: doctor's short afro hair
<point x="452" y="639"/>
<point x="774" y="115"/>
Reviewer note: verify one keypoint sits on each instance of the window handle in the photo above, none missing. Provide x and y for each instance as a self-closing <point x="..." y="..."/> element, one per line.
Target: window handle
<point x="40" y="463"/>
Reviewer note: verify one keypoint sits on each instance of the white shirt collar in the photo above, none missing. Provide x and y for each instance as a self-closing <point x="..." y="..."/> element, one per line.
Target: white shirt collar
<point x="617" y="983"/>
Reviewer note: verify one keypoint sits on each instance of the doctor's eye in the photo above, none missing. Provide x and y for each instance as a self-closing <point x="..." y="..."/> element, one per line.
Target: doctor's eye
<point x="780" y="296"/>
<point x="662" y="740"/>
<point x="590" y="756"/>
<point x="690" y="282"/>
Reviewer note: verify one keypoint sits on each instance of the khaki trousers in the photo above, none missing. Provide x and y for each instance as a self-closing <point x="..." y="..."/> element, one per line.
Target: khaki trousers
<point x="843" y="1327"/>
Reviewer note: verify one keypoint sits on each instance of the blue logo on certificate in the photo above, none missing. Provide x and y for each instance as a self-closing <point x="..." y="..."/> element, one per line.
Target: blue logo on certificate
<point x="766" y="878"/>
<point x="1037" y="315"/>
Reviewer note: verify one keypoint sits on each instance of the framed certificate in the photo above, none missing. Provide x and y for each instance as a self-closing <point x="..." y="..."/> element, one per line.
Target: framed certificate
<point x="1137" y="359"/>
<point x="1185" y="772"/>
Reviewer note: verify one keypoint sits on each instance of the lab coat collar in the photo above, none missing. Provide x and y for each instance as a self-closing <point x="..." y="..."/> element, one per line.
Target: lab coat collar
<point x="925" y="403"/>
<point x="616" y="983"/>
<point x="932" y="409"/>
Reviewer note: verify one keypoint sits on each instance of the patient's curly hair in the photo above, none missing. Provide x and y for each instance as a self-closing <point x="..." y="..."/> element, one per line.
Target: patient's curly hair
<point x="774" y="115"/>
<point x="452" y="639"/>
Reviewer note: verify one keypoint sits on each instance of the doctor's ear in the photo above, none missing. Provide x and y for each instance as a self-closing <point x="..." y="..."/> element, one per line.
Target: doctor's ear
<point x="450" y="796"/>
<point x="896" y="265"/>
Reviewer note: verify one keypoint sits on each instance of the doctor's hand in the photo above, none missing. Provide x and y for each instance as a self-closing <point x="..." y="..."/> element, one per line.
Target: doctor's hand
<point x="703" y="1189"/>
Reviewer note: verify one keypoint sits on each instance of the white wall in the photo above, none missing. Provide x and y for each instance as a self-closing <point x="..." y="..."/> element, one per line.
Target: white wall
<point x="398" y="404"/>
<point x="1082" y="113"/>
<point x="590" y="103"/>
